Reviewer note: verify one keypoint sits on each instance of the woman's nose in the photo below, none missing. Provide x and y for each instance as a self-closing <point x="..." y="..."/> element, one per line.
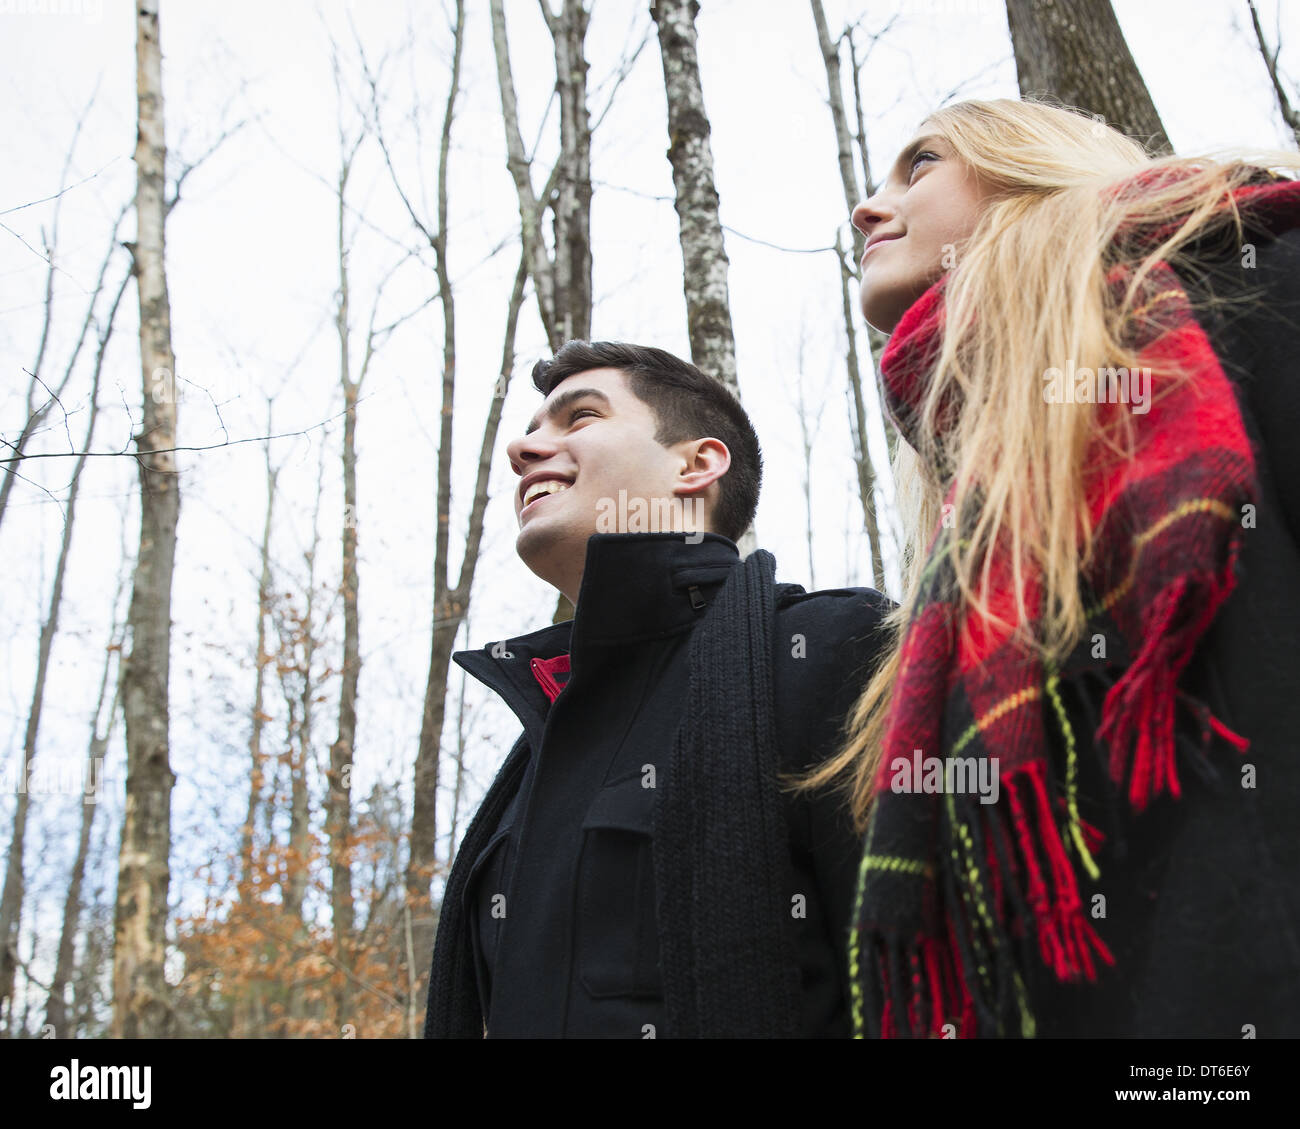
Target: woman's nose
<point x="869" y="213"/>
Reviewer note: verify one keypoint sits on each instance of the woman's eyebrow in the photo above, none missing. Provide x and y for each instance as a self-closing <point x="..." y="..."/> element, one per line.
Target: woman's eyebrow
<point x="905" y="157"/>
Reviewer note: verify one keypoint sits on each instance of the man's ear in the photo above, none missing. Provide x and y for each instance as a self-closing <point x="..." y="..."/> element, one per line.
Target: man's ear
<point x="705" y="461"/>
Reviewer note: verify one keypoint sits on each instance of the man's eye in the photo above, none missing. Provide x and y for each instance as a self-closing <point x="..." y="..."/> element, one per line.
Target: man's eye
<point x="577" y="412"/>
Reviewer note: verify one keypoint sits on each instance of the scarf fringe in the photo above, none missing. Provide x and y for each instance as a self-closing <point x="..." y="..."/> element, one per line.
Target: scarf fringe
<point x="1138" y="714"/>
<point x="927" y="991"/>
<point x="1018" y="854"/>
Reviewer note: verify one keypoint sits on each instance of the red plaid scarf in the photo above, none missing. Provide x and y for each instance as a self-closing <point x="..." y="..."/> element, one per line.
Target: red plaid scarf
<point x="957" y="897"/>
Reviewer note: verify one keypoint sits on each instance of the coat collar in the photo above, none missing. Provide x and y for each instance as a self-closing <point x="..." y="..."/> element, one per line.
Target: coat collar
<point x="635" y="587"/>
<point x="646" y="585"/>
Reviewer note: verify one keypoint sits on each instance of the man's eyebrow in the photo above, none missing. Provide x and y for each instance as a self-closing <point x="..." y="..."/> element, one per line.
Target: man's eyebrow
<point x="564" y="400"/>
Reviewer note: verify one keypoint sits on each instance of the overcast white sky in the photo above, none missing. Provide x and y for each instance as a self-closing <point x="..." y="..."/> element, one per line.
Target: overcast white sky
<point x="252" y="272"/>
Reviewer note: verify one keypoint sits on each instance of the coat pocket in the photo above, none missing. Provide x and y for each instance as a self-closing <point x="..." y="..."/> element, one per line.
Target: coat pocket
<point x="484" y="908"/>
<point x="618" y="936"/>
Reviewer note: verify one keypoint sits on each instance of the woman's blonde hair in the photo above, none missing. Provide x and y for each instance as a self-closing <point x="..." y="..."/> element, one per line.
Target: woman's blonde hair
<point x="1028" y="293"/>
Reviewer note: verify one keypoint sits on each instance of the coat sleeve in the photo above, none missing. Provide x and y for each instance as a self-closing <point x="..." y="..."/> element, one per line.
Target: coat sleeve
<point x="826" y="646"/>
<point x="1247" y="299"/>
<point x="1272" y="324"/>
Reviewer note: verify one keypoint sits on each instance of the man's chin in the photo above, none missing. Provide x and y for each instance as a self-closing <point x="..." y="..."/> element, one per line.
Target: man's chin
<point x="550" y="552"/>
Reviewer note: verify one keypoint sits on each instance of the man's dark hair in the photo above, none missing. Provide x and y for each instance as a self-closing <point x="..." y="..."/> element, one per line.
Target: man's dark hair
<point x="687" y="405"/>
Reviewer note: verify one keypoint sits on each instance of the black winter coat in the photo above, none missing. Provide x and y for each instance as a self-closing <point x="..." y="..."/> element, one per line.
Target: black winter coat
<point x="548" y="924"/>
<point x="1202" y="893"/>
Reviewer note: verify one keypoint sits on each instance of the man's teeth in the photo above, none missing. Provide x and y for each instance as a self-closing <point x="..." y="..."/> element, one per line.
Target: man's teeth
<point x="548" y="486"/>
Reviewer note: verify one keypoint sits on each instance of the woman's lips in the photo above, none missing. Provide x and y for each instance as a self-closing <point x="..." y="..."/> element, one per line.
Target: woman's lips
<point x="877" y="243"/>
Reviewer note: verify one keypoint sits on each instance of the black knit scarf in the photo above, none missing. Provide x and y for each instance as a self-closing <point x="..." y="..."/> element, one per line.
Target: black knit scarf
<point x="721" y="845"/>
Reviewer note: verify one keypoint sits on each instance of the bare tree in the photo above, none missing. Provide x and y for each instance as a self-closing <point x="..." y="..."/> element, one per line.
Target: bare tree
<point x="458" y="788"/>
<point x="140" y="1005"/>
<point x="448" y="615"/>
<point x="850" y="275"/>
<point x="40" y="402"/>
<point x="704" y="255"/>
<point x="11" y="902"/>
<point x="1075" y="51"/>
<point x="260" y="660"/>
<point x="92" y="977"/>
<point x="450" y="601"/>
<point x="562" y="282"/>
<point x="56" y="1015"/>
<point x="810" y="422"/>
<point x="708" y="308"/>
<point x="861" y="452"/>
<point x="572" y="205"/>
<point x="1289" y="112"/>
<point x="298" y="642"/>
<point x="338" y="797"/>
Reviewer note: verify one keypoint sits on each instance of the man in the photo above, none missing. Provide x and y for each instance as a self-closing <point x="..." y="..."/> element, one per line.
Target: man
<point x="636" y="869"/>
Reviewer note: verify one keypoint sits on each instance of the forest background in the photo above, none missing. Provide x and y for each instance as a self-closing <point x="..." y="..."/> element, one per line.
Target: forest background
<point x="377" y="218"/>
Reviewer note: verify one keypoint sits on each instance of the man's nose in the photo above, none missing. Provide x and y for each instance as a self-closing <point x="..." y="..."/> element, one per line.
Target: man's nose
<point x="530" y="448"/>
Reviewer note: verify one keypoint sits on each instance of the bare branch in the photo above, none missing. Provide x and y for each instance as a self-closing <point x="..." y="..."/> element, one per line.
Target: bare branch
<point x="198" y="161"/>
<point x="552" y="20"/>
<point x="171" y="450"/>
<point x="62" y="191"/>
<point x="520" y="166"/>
<point x="1289" y="114"/>
<point x="624" y="69"/>
<point x="37" y="415"/>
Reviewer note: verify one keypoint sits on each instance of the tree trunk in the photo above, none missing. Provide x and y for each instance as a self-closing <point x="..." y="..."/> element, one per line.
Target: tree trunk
<point x="1074" y="50"/>
<point x="260" y="659"/>
<point x="297" y="650"/>
<point x="531" y="206"/>
<point x="141" y="1008"/>
<point x="448" y="606"/>
<point x="458" y="788"/>
<point x="338" y="799"/>
<point x="861" y="456"/>
<point x="84" y="987"/>
<point x="708" y="309"/>
<point x="704" y="256"/>
<point x="562" y="284"/>
<point x="11" y="902"/>
<point x="1289" y="113"/>
<point x="876" y="341"/>
<point x="852" y="195"/>
<point x="573" y="186"/>
<point x="300" y="735"/>
<point x="56" y="1009"/>
<point x="423" y="855"/>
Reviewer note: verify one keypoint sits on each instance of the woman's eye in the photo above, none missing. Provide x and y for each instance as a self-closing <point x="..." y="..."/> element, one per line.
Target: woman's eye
<point x="923" y="155"/>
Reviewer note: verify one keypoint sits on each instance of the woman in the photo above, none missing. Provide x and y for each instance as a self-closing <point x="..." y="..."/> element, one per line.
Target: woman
<point x="1078" y="768"/>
